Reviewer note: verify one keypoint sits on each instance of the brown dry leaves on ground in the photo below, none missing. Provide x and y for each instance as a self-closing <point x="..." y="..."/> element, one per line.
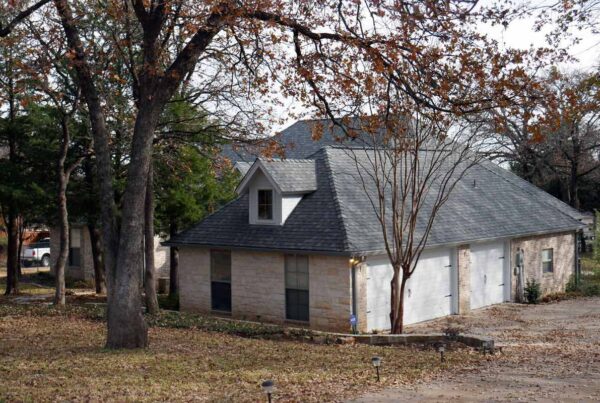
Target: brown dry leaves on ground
<point x="61" y="358"/>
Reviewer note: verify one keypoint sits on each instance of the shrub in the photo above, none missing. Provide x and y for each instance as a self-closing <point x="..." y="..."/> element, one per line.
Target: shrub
<point x="532" y="291"/>
<point x="572" y="285"/>
<point x="170" y="302"/>
<point x="591" y="290"/>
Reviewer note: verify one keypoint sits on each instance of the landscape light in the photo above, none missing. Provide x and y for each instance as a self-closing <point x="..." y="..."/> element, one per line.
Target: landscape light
<point x="442" y="350"/>
<point x="376" y="361"/>
<point x="267" y="387"/>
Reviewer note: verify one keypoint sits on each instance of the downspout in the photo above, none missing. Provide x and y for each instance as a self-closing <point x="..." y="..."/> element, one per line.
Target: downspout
<point x="354" y="263"/>
<point x="577" y="268"/>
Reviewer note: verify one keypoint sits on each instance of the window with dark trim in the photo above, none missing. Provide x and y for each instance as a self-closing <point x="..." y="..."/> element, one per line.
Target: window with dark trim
<point x="265" y="204"/>
<point x="75" y="247"/>
<point x="296" y="287"/>
<point x="220" y="280"/>
<point x="548" y="260"/>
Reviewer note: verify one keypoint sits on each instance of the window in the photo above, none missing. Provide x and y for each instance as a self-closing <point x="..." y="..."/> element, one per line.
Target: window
<point x="75" y="248"/>
<point x="296" y="287"/>
<point x="220" y="280"/>
<point x="547" y="260"/>
<point x="265" y="204"/>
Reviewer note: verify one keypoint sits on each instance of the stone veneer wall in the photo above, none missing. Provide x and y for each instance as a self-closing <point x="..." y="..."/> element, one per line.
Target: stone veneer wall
<point x="464" y="278"/>
<point x="258" y="286"/>
<point x="361" y="296"/>
<point x="330" y="292"/>
<point x="194" y="279"/>
<point x="563" y="245"/>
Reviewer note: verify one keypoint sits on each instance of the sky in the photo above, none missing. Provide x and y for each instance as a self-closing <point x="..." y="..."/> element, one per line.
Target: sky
<point x="520" y="34"/>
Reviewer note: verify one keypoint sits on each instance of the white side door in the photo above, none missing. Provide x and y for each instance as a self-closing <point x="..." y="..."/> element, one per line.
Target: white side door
<point x="487" y="274"/>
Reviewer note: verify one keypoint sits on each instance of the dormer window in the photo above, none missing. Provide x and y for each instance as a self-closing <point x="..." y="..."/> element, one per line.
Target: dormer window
<point x="275" y="188"/>
<point x="265" y="204"/>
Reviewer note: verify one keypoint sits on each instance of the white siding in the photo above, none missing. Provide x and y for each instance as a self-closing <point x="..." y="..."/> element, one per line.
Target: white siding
<point x="288" y="205"/>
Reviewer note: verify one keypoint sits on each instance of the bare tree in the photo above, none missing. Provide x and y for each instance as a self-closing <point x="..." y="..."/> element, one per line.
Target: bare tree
<point x="553" y="133"/>
<point x="408" y="167"/>
<point x="431" y="51"/>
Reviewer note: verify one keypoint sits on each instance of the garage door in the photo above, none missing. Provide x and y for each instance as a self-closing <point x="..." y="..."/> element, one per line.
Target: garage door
<point x="428" y="294"/>
<point x="487" y="274"/>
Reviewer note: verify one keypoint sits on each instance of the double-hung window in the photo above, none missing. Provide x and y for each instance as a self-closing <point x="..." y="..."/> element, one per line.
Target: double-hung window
<point x="265" y="204"/>
<point x="547" y="260"/>
<point x="75" y="247"/>
<point x="220" y="279"/>
<point x="296" y="287"/>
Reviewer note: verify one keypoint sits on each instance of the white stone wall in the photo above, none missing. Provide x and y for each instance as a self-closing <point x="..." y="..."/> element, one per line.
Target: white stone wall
<point x="258" y="286"/>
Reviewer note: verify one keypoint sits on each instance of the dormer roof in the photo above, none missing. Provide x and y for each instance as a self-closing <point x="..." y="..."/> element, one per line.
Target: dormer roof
<point x="289" y="176"/>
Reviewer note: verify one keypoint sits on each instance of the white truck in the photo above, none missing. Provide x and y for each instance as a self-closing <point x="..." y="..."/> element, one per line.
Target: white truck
<point x="37" y="253"/>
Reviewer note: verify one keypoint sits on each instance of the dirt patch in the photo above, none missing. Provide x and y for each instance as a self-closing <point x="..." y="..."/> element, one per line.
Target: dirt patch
<point x="550" y="352"/>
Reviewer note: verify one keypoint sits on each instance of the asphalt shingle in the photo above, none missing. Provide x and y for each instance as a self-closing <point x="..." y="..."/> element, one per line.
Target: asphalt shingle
<point x="338" y="217"/>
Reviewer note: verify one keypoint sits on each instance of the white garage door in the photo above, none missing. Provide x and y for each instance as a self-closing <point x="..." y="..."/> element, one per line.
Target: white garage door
<point x="487" y="274"/>
<point x="428" y="294"/>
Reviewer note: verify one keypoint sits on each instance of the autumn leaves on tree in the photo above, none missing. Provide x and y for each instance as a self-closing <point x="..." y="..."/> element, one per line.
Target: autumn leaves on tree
<point x="131" y="59"/>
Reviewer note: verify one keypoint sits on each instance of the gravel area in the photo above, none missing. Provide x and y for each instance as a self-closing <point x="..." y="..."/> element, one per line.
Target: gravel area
<point x="550" y="352"/>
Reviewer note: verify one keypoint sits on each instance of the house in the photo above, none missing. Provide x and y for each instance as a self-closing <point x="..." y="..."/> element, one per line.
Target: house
<point x="301" y="245"/>
<point x="80" y="264"/>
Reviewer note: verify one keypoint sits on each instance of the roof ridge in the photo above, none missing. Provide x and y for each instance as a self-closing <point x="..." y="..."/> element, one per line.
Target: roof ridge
<point x="336" y="201"/>
<point x="529" y="191"/>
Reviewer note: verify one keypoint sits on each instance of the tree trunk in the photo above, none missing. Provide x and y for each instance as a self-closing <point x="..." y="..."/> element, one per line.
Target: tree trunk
<point x="173" y="264"/>
<point x="63" y="253"/>
<point x="126" y="325"/>
<point x="63" y="217"/>
<point x="397" y="302"/>
<point x="101" y="137"/>
<point x="150" y="274"/>
<point x="21" y="236"/>
<point x="574" y="186"/>
<point x="12" y="253"/>
<point x="96" y="241"/>
<point x="12" y="226"/>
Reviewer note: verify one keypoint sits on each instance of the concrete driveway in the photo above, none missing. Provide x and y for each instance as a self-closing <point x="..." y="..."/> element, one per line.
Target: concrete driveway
<point x="550" y="352"/>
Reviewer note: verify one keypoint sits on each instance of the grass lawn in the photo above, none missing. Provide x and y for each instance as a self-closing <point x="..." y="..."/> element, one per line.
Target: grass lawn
<point x="47" y="354"/>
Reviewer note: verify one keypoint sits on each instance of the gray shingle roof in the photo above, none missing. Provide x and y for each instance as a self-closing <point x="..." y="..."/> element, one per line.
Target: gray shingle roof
<point x="296" y="141"/>
<point x="338" y="216"/>
<point x="292" y="175"/>
<point x="289" y="176"/>
<point x="314" y="225"/>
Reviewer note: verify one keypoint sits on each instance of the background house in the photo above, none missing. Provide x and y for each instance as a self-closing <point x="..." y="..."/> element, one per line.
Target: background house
<point x="80" y="264"/>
